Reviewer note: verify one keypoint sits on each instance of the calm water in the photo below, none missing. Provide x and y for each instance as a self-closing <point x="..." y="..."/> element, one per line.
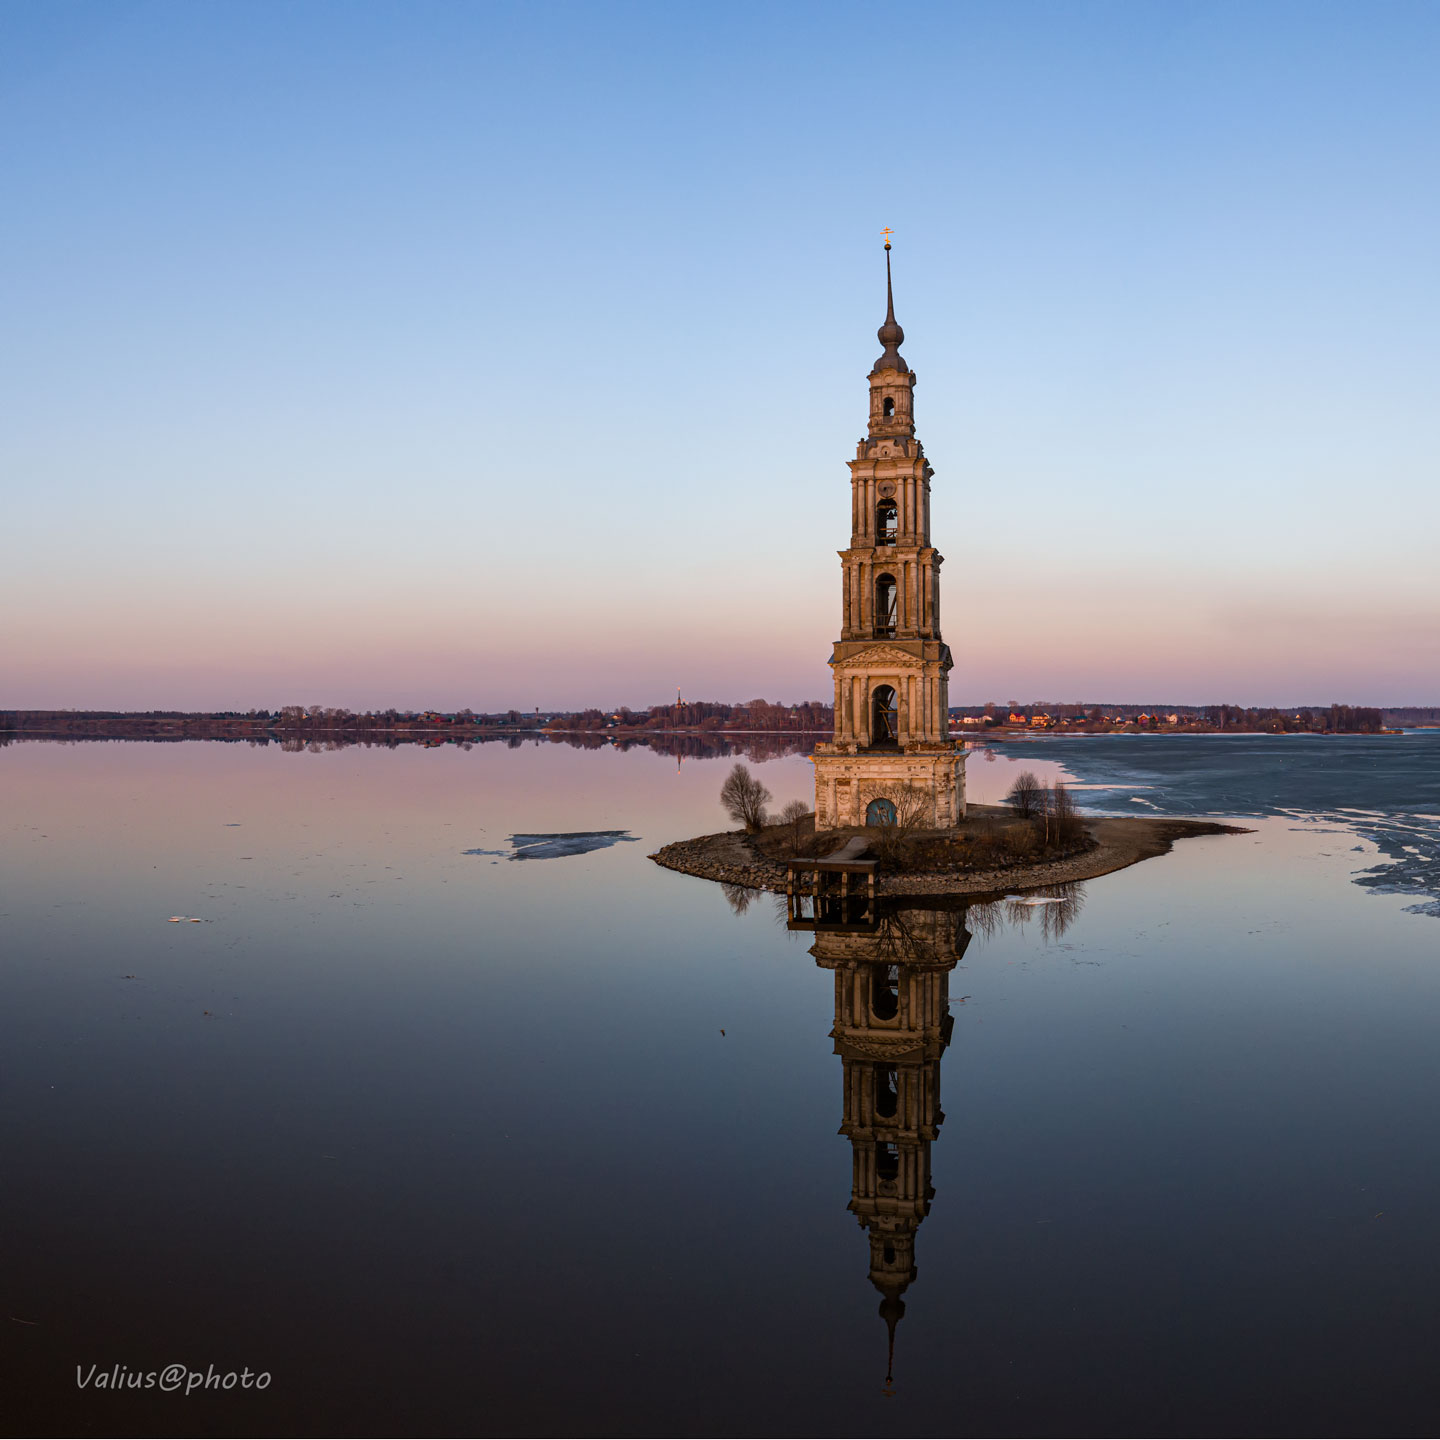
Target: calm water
<point x="453" y="1143"/>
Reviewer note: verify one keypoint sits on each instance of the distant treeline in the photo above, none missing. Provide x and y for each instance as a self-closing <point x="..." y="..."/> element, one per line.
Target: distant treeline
<point x="1073" y="715"/>
<point x="1333" y="720"/>
<point x="310" y="720"/>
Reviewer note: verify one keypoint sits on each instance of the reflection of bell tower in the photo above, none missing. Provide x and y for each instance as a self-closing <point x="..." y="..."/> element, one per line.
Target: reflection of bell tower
<point x="891" y="751"/>
<point x="892" y="1024"/>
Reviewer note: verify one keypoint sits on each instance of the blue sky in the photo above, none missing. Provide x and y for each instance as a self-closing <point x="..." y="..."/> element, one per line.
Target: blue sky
<point x="478" y="354"/>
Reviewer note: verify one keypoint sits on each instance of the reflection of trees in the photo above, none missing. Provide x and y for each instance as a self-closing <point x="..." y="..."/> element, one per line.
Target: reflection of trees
<point x="683" y="747"/>
<point x="771" y="746"/>
<point x="740" y="897"/>
<point x="1059" y="909"/>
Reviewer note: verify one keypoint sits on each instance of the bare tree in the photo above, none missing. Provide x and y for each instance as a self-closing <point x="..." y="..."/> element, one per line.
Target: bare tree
<point x="794" y="815"/>
<point x="1024" y="797"/>
<point x="1058" y="817"/>
<point x="912" y="810"/>
<point x="744" y="798"/>
<point x="1067" y="822"/>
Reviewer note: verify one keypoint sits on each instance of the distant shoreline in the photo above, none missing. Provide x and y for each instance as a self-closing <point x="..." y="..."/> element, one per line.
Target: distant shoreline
<point x="1017" y="733"/>
<point x="81" y="725"/>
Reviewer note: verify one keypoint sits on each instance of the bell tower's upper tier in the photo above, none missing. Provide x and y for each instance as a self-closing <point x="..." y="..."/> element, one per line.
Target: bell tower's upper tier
<point x="890" y="478"/>
<point x="892" y="382"/>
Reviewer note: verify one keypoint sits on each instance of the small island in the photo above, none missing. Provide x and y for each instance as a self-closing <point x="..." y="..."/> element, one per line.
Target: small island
<point x="992" y="851"/>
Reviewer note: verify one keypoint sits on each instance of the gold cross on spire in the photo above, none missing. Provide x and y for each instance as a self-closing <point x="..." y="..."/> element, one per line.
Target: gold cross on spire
<point x="887" y="232"/>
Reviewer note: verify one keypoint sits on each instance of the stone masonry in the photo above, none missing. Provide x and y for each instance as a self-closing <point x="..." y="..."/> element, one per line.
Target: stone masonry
<point x="891" y="752"/>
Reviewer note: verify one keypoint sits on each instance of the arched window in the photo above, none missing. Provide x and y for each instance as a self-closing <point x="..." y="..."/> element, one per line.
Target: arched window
<point x="885" y="728"/>
<point x="885" y="992"/>
<point x="885" y="523"/>
<point x="887" y="1090"/>
<point x="887" y="603"/>
<point x="889" y="407"/>
<point x="887" y="1160"/>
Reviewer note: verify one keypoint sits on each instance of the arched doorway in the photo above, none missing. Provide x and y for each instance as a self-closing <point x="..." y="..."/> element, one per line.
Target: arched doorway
<point x="884" y="718"/>
<point x="880" y="812"/>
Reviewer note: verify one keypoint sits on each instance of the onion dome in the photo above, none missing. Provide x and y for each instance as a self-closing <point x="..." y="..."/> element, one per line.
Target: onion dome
<point x="890" y="335"/>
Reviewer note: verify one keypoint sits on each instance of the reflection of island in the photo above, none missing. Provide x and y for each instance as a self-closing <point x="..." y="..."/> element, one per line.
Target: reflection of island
<point x="892" y="1024"/>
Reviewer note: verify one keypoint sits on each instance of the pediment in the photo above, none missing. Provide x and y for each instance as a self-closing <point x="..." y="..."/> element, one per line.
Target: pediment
<point x="880" y="657"/>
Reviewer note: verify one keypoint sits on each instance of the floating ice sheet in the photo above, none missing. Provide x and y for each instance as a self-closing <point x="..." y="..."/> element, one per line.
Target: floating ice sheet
<point x="554" y="846"/>
<point x="1382" y="789"/>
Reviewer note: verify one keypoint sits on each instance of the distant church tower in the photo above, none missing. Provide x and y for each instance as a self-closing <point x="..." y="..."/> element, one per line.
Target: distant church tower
<point x="892" y="748"/>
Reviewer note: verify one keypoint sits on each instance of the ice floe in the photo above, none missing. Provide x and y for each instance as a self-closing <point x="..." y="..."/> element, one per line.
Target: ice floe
<point x="555" y="846"/>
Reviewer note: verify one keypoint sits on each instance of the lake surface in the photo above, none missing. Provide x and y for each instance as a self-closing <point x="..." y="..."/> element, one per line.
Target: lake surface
<point x="453" y="1142"/>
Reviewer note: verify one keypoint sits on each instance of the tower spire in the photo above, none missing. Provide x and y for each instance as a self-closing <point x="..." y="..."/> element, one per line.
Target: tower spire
<point x="892" y="1308"/>
<point x="890" y="335"/>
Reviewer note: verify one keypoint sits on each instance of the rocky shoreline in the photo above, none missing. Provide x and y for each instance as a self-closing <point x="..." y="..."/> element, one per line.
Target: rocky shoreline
<point x="1115" y="842"/>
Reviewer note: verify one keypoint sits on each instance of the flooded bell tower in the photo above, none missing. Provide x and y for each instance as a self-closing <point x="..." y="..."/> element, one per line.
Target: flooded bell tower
<point x="891" y="755"/>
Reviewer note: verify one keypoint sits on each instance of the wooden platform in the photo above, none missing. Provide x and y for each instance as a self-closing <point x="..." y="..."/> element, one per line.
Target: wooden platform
<point x="830" y="889"/>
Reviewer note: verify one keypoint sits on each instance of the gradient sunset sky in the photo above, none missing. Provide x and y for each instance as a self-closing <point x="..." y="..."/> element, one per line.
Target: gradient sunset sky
<point x="491" y="354"/>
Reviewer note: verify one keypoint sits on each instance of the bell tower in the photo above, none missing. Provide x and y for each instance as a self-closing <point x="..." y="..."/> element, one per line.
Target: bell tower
<point x="891" y="752"/>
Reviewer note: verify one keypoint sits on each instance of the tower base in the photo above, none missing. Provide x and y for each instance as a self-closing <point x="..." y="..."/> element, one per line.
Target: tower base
<point x="848" y="780"/>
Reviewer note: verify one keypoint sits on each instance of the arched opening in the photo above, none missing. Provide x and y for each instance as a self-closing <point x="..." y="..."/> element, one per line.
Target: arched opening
<point x="880" y="812"/>
<point x="887" y="605"/>
<point x="885" y="992"/>
<point x="885" y="524"/>
<point x="887" y="1161"/>
<point x="887" y="1091"/>
<point x="888" y="408"/>
<point x="889" y="1253"/>
<point x="885" y="725"/>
